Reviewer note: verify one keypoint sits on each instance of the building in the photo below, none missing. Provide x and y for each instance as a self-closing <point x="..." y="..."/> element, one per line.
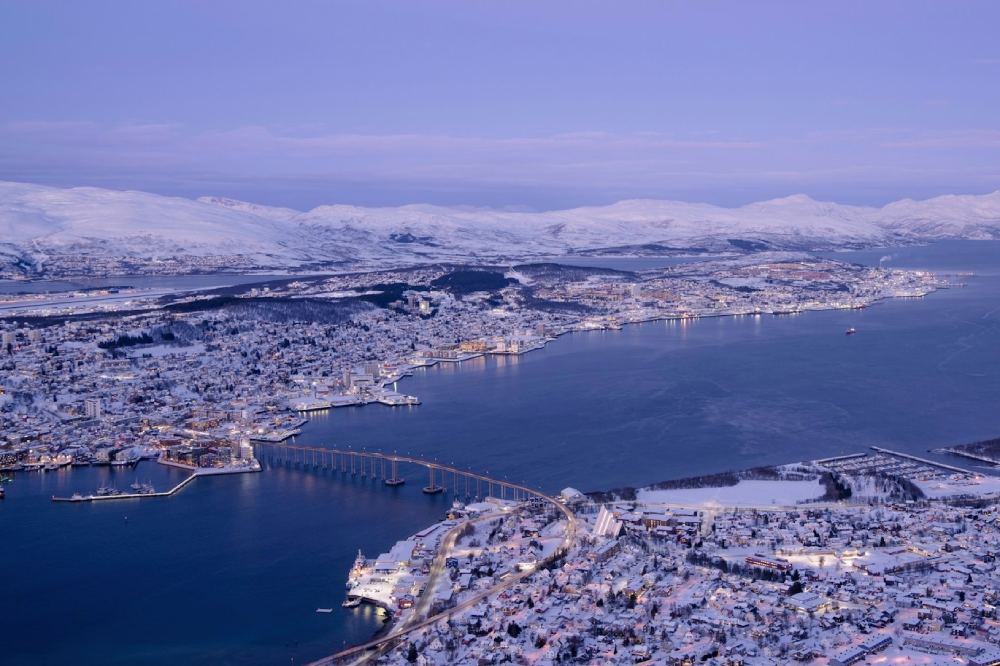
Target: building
<point x="92" y="408"/>
<point x="765" y="562"/>
<point x="807" y="602"/>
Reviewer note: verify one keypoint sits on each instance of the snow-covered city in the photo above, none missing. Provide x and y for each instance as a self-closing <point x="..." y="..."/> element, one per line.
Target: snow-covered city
<point x="111" y="381"/>
<point x="541" y="333"/>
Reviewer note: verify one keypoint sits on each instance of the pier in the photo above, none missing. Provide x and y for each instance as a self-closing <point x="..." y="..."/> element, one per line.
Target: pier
<point x="195" y="473"/>
<point x="121" y="496"/>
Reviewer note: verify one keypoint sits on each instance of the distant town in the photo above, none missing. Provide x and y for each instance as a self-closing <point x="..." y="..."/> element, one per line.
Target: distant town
<point x="189" y="376"/>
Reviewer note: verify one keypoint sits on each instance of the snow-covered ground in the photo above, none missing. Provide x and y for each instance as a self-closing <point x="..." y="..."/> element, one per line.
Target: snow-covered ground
<point x="957" y="485"/>
<point x="744" y="493"/>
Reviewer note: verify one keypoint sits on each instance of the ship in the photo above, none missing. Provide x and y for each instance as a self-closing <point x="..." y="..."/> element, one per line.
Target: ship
<point x="351" y="602"/>
<point x="851" y="331"/>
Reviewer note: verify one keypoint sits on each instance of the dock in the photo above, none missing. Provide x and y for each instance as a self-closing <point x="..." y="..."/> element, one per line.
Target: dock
<point x="97" y="498"/>
<point x="195" y="473"/>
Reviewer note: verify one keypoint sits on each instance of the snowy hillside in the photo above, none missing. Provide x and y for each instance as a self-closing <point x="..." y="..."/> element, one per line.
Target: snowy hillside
<point x="47" y="229"/>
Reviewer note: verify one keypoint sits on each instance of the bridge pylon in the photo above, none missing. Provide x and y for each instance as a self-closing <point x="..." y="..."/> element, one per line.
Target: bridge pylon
<point x="432" y="488"/>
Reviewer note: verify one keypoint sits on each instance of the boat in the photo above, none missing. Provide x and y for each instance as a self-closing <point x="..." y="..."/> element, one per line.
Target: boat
<point x="324" y="610"/>
<point x="51" y="466"/>
<point x="851" y="331"/>
<point x="351" y="602"/>
<point x="3" y="492"/>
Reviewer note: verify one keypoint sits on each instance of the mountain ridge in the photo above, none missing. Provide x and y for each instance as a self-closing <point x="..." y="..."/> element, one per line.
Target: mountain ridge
<point x="42" y="226"/>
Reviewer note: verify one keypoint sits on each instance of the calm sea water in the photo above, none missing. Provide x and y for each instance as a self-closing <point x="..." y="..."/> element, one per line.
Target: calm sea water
<point x="231" y="570"/>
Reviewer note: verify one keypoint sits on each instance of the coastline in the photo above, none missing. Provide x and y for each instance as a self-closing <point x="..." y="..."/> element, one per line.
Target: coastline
<point x="407" y="369"/>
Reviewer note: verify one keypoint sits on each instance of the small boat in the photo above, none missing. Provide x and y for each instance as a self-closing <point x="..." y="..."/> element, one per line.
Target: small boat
<point x="3" y="492"/>
<point x="351" y="602"/>
<point x="324" y="610"/>
<point x="851" y="331"/>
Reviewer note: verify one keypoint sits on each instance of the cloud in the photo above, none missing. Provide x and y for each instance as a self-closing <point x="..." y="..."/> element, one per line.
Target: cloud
<point x="601" y="165"/>
<point x="259" y="150"/>
<point x="977" y="138"/>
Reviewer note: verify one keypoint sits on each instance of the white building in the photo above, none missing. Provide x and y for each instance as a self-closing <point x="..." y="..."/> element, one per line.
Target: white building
<point x="92" y="408"/>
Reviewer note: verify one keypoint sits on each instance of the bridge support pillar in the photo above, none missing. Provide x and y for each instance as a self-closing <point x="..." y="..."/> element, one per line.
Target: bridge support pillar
<point x="394" y="478"/>
<point x="431" y="488"/>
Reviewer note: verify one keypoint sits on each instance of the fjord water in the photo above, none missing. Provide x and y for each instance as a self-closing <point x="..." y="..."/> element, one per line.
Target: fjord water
<point x="231" y="570"/>
<point x="671" y="399"/>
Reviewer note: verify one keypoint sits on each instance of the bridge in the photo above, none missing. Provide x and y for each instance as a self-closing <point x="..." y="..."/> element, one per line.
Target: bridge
<point x="385" y="466"/>
<point x="374" y="465"/>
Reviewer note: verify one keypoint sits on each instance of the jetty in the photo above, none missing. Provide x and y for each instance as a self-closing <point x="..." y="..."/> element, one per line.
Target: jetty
<point x="195" y="473"/>
<point x="971" y="456"/>
<point x="924" y="461"/>
<point x="118" y="496"/>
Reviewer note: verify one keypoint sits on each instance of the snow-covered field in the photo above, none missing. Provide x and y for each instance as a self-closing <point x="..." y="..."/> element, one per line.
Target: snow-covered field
<point x="952" y="487"/>
<point x="744" y="493"/>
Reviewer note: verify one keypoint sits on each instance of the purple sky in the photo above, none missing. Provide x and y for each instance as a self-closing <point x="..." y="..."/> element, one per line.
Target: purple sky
<point x="535" y="104"/>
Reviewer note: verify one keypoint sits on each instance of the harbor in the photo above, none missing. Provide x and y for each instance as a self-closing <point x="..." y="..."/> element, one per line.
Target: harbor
<point x="551" y="418"/>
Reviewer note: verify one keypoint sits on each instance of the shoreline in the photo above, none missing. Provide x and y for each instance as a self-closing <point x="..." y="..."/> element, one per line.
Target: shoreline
<point x="408" y="369"/>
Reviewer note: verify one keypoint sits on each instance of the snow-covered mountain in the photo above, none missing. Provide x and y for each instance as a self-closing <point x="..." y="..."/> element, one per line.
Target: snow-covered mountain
<point x="47" y="229"/>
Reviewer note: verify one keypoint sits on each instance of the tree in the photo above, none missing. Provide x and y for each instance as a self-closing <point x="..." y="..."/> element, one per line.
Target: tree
<point x="411" y="654"/>
<point x="514" y="629"/>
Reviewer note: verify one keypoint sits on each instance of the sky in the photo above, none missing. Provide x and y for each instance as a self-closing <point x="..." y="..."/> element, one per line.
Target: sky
<point x="533" y="105"/>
